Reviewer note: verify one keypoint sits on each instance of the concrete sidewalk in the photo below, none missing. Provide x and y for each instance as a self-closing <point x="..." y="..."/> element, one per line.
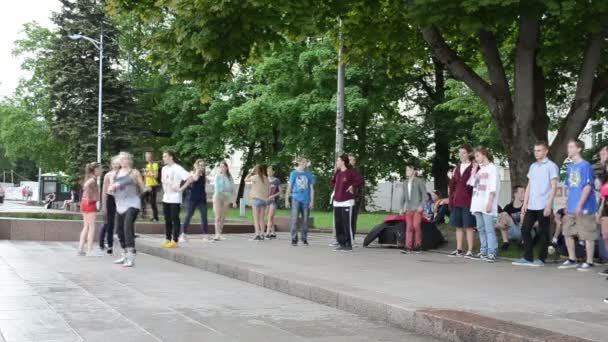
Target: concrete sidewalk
<point x="51" y="295"/>
<point x="453" y="299"/>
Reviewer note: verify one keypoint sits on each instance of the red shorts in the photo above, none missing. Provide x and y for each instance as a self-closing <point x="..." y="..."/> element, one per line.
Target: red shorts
<point x="88" y="206"/>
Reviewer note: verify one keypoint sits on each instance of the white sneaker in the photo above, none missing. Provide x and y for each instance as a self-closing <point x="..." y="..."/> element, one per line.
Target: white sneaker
<point x="183" y="238"/>
<point x="333" y="244"/>
<point x="121" y="260"/>
<point x="129" y="260"/>
<point x="206" y="238"/>
<point x="567" y="265"/>
<point x="95" y="253"/>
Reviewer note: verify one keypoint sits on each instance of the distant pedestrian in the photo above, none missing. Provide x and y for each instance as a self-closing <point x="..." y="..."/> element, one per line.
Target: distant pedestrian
<point x="127" y="187"/>
<point x="88" y="207"/>
<point x="2" y="194"/>
<point x="460" y="203"/>
<point x="108" y="208"/>
<point x="582" y="206"/>
<point x="172" y="177"/>
<point x="259" y="192"/>
<point x="223" y="196"/>
<point x="543" y="176"/>
<point x="344" y="183"/>
<point x="196" y="199"/>
<point x="151" y="178"/>
<point x="300" y="188"/>
<point x="485" y="181"/>
<point x="49" y="200"/>
<point x="273" y="201"/>
<point x="412" y="207"/>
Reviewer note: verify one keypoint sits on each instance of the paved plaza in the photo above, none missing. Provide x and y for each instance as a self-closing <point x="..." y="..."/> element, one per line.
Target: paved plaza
<point x="563" y="301"/>
<point x="49" y="294"/>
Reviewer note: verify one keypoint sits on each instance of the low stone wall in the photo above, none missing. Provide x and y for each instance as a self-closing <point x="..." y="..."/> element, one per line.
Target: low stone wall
<point x="69" y="230"/>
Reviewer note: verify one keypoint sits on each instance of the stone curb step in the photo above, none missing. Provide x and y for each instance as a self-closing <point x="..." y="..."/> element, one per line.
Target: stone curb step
<point x="447" y="325"/>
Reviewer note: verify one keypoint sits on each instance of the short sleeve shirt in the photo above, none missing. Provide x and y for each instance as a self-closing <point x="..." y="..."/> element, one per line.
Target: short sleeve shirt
<point x="540" y="175"/>
<point x="172" y="176"/>
<point x="578" y="176"/>
<point x="301" y="184"/>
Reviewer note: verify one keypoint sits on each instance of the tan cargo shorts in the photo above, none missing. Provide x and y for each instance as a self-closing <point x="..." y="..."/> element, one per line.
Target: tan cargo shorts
<point x="584" y="227"/>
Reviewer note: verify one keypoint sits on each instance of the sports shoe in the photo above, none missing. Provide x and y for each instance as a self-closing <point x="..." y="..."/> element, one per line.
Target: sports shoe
<point x="491" y="258"/>
<point x="256" y="238"/>
<point x="567" y="265"/>
<point x="417" y="250"/>
<point x="81" y="253"/>
<point x="347" y="249"/>
<point x="603" y="273"/>
<point x="109" y="251"/>
<point x="95" y="253"/>
<point x="522" y="262"/>
<point x="183" y="238"/>
<point x="478" y="256"/>
<point x="584" y="267"/>
<point x="273" y="236"/>
<point x="294" y="242"/>
<point x="456" y="254"/>
<point x="122" y="258"/>
<point x="538" y="263"/>
<point x="469" y="255"/>
<point x="305" y="242"/>
<point x="171" y="244"/>
<point x="338" y="249"/>
<point x="333" y="244"/>
<point x="129" y="260"/>
<point x="166" y="243"/>
<point x="405" y="251"/>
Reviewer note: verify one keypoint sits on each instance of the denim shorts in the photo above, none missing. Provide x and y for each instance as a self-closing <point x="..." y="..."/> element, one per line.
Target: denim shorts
<point x="462" y="218"/>
<point x="259" y="203"/>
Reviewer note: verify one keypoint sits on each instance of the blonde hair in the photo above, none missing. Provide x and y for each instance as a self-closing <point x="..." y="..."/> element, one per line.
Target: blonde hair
<point x="126" y="155"/>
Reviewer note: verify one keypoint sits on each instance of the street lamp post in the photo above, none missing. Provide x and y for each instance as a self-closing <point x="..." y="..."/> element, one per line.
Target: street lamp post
<point x="99" y="45"/>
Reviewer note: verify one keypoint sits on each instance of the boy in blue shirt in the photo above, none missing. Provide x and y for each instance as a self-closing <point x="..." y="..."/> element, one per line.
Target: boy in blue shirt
<point x="579" y="219"/>
<point x="301" y="188"/>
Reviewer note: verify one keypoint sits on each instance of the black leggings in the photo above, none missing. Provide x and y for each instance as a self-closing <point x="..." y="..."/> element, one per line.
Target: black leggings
<point x="125" y="227"/>
<point x="343" y="221"/>
<point x="107" y="232"/>
<point x="172" y="226"/>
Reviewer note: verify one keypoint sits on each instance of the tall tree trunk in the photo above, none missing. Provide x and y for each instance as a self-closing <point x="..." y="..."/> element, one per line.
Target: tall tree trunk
<point x="244" y="170"/>
<point x="441" y="160"/>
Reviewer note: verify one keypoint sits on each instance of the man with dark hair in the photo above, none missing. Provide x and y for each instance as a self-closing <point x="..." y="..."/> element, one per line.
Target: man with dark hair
<point x="538" y="205"/>
<point x="509" y="220"/>
<point x="582" y="206"/>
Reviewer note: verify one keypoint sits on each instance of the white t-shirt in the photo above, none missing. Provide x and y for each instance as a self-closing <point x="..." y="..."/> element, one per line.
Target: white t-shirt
<point x="172" y="176"/>
<point x="485" y="181"/>
<point x="409" y="187"/>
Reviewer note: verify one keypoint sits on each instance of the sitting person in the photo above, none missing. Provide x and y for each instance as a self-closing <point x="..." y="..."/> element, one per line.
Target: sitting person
<point x="509" y="219"/>
<point x="441" y="208"/>
<point x="428" y="207"/>
<point x="50" y="199"/>
<point x="73" y="199"/>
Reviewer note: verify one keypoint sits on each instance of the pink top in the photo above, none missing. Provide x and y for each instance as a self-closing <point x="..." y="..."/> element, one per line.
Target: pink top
<point x="604" y="190"/>
<point x="90" y="191"/>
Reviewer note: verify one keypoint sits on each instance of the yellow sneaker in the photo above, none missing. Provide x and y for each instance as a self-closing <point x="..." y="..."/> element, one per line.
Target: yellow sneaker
<point x="166" y="244"/>
<point x="171" y="244"/>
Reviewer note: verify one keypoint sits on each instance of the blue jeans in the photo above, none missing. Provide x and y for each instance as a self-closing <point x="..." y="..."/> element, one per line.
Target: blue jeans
<point x="202" y="208"/>
<point x="487" y="233"/>
<point x="297" y="209"/>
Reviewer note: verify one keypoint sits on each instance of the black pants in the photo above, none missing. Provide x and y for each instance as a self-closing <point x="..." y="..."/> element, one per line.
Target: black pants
<point x="106" y="234"/>
<point x="343" y="220"/>
<point x="150" y="196"/>
<point x="202" y="208"/>
<point x="172" y="226"/>
<point x="125" y="227"/>
<point x="531" y="217"/>
<point x="355" y="216"/>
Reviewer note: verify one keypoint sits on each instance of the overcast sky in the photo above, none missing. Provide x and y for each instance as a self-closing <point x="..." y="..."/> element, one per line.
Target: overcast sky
<point x="13" y="15"/>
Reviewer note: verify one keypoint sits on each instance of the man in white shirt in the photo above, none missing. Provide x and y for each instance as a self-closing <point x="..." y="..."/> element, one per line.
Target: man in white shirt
<point x="172" y="177"/>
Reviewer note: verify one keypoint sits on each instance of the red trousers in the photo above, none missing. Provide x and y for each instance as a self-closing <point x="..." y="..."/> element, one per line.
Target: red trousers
<point x="413" y="222"/>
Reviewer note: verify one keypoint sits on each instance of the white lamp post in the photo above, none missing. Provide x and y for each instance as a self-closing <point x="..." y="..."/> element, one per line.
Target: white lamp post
<point x="99" y="45"/>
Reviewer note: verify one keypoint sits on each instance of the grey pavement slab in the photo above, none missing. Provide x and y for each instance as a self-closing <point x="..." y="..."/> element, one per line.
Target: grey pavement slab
<point x="562" y="301"/>
<point x="53" y="295"/>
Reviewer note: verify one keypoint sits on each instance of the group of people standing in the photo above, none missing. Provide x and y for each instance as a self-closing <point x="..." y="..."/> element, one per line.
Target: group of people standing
<point x="475" y="187"/>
